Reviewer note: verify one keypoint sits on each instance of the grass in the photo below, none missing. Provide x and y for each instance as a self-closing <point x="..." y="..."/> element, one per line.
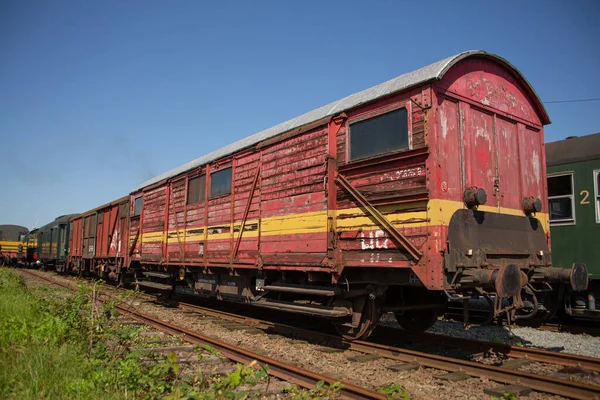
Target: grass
<point x="42" y="351"/>
<point x="58" y="345"/>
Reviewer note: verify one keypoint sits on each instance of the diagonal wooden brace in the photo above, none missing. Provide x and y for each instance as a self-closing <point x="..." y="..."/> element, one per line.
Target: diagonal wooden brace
<point x="112" y="231"/>
<point x="380" y="218"/>
<point x="132" y="248"/>
<point x="246" y="211"/>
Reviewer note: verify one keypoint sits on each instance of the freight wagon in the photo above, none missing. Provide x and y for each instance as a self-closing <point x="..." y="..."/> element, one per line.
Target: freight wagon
<point x="98" y="240"/>
<point x="13" y="243"/>
<point x="574" y="202"/>
<point x="428" y="187"/>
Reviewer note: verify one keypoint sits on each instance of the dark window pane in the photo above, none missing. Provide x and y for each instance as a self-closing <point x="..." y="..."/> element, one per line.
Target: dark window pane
<point x="560" y="209"/>
<point x="379" y="135"/>
<point x="138" y="207"/>
<point x="220" y="183"/>
<point x="559" y="185"/>
<point x="196" y="189"/>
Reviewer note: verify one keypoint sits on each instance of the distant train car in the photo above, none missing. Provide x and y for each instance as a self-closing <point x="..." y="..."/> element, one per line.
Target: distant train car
<point x="32" y="247"/>
<point x="426" y="187"/>
<point x="52" y="243"/>
<point x="98" y="240"/>
<point x="13" y="243"/>
<point x="573" y="167"/>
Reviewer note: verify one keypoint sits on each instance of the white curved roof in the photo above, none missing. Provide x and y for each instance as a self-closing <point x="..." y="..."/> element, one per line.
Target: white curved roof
<point x="431" y="72"/>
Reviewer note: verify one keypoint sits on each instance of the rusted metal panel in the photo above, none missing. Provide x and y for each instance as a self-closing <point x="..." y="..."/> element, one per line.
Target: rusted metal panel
<point x="474" y="239"/>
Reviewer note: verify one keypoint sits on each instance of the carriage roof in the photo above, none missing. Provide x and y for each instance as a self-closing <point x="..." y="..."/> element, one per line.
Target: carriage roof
<point x="431" y="72"/>
<point x="573" y="149"/>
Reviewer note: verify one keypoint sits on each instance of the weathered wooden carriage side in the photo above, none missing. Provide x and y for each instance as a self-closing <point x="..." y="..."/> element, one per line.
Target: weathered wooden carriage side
<point x="98" y="240"/>
<point x="426" y="186"/>
<point x="279" y="189"/>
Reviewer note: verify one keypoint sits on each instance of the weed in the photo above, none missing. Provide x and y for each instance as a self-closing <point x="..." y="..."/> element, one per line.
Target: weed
<point x="496" y="340"/>
<point x="507" y="396"/>
<point x="60" y="345"/>
<point x="395" y="391"/>
<point x="322" y="390"/>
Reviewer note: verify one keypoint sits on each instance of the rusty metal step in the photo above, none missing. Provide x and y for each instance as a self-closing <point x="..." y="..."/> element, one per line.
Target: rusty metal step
<point x="303" y="289"/>
<point x="154" y="285"/>
<point x="305" y="309"/>
<point x="153" y="274"/>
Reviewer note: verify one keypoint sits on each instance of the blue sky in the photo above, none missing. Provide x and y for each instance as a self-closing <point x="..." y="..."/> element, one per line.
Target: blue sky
<point x="99" y="96"/>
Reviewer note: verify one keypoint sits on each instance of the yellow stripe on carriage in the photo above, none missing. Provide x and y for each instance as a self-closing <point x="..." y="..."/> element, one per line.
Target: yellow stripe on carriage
<point x="438" y="213"/>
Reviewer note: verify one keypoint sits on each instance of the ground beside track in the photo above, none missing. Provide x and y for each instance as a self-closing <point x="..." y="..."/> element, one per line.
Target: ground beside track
<point x="51" y="347"/>
<point x="418" y="384"/>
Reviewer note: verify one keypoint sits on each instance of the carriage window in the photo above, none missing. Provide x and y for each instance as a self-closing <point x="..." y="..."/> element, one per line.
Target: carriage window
<point x="379" y="135"/>
<point x="196" y="190"/>
<point x="137" y="210"/>
<point x="560" y="197"/>
<point x="597" y="193"/>
<point x="220" y="182"/>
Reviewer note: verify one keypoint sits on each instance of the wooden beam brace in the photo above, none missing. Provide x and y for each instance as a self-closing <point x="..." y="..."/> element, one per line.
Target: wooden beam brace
<point x="112" y="231"/>
<point x="380" y="218"/>
<point x="246" y="211"/>
<point x="132" y="249"/>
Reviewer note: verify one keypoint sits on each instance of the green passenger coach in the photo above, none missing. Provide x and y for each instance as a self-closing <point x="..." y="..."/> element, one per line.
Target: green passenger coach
<point x="573" y="169"/>
<point x="53" y="242"/>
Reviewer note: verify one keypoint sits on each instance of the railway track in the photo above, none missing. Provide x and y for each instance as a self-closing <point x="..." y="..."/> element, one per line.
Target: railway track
<point x="541" y="383"/>
<point x="287" y="372"/>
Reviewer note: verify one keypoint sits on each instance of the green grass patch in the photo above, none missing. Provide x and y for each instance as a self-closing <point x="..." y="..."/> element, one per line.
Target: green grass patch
<point x="56" y="344"/>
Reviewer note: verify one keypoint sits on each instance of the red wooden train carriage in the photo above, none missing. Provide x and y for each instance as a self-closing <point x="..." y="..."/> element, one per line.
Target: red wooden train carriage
<point x="98" y="240"/>
<point x="428" y="186"/>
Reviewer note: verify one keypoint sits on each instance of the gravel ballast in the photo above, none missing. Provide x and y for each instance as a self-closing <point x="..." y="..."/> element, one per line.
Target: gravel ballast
<point x="581" y="344"/>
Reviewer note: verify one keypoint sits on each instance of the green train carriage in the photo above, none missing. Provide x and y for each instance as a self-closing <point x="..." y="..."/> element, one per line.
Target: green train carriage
<point x="573" y="170"/>
<point x="53" y="243"/>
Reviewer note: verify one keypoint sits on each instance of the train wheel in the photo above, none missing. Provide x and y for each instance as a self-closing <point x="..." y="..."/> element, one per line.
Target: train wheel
<point x="551" y="304"/>
<point x="416" y="320"/>
<point x="369" y="318"/>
